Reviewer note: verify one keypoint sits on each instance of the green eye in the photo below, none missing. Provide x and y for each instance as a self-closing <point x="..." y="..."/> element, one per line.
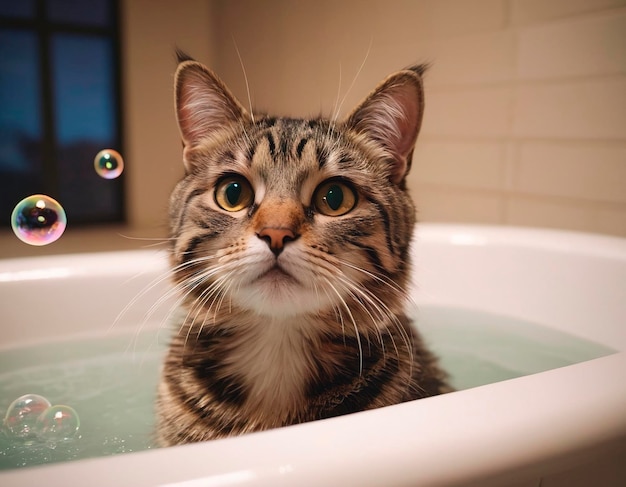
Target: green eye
<point x="234" y="193"/>
<point x="334" y="198"/>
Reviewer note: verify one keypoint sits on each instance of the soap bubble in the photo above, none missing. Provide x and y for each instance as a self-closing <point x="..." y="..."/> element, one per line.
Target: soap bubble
<point x="38" y="220"/>
<point x="21" y="417"/>
<point x="57" y="423"/>
<point x="108" y="163"/>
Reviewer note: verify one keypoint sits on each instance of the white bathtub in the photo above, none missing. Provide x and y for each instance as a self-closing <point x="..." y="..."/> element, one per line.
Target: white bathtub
<point x="556" y="428"/>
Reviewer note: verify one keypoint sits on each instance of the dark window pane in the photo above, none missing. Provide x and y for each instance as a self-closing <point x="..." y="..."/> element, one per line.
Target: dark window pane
<point x="59" y="105"/>
<point x="84" y="12"/>
<point x="20" y="118"/>
<point x="17" y="8"/>
<point x="85" y="121"/>
<point x="82" y="77"/>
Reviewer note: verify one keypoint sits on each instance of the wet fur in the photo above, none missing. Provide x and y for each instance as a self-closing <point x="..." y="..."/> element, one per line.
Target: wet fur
<point x="266" y="338"/>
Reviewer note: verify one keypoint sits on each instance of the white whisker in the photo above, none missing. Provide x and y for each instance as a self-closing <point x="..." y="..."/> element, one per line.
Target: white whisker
<point x="158" y="241"/>
<point x="377" y="311"/>
<point x="356" y="328"/>
<point x="338" y="110"/>
<point x="245" y="77"/>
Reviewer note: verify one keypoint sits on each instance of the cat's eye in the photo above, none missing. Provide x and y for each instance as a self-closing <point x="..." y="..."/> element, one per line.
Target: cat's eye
<point x="334" y="198"/>
<point x="234" y="193"/>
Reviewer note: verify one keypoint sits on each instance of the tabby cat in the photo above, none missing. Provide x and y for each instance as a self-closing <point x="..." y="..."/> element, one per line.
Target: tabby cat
<point x="290" y="249"/>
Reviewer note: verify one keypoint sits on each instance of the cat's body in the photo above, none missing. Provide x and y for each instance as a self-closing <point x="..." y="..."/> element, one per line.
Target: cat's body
<point x="291" y="252"/>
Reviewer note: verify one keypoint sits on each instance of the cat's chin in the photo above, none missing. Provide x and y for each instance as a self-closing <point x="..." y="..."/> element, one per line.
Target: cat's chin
<point x="277" y="293"/>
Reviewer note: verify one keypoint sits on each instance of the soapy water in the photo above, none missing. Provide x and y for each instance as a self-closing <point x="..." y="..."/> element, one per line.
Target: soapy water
<point x="38" y="220"/>
<point x="114" y="385"/>
<point x="108" y="163"/>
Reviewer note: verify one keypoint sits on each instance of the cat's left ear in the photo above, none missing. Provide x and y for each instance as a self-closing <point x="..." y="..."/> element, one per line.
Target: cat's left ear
<point x="204" y="105"/>
<point x="392" y="115"/>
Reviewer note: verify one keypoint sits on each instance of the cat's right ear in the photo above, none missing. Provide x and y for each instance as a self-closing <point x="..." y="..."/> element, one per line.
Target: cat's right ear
<point x="204" y="106"/>
<point x="391" y="116"/>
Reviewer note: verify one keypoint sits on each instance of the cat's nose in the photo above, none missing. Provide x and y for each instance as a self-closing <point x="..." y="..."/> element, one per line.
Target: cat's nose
<point x="276" y="237"/>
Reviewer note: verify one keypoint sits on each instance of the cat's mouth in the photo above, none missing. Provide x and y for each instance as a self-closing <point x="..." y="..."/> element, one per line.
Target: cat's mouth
<point x="276" y="273"/>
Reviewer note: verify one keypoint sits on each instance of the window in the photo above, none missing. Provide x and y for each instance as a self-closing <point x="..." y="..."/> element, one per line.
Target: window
<point x="60" y="105"/>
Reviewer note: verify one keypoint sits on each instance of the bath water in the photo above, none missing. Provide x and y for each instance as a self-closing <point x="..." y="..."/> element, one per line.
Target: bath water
<point x="111" y="381"/>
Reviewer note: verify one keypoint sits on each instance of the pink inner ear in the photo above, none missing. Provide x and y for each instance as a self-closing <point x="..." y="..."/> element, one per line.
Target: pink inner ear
<point x="203" y="104"/>
<point x="392" y="117"/>
<point x="199" y="109"/>
<point x="406" y="120"/>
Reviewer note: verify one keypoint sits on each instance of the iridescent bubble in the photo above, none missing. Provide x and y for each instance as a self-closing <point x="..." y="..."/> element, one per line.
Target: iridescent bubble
<point x="108" y="163"/>
<point x="22" y="416"/>
<point x="38" y="220"/>
<point x="57" y="423"/>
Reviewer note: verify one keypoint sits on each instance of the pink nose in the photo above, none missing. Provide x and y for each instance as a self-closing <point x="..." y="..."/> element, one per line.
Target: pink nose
<point x="276" y="238"/>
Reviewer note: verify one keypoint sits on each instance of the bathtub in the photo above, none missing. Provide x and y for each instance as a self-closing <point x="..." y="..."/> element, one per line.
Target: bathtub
<point x="554" y="428"/>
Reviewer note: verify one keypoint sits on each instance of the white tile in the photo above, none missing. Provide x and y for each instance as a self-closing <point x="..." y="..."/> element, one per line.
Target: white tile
<point x="437" y="204"/>
<point x="511" y="151"/>
<point x="611" y="221"/>
<point x="528" y="11"/>
<point x="547" y="213"/>
<point x="593" y="172"/>
<point x="578" y="47"/>
<point x="462" y="164"/>
<point x="583" y="109"/>
<point x="473" y="113"/>
<point x="448" y="18"/>
<point x="476" y="59"/>
<point x="411" y="19"/>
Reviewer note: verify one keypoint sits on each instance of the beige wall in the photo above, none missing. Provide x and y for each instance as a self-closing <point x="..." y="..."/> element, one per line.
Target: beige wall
<point x="525" y="118"/>
<point x="151" y="30"/>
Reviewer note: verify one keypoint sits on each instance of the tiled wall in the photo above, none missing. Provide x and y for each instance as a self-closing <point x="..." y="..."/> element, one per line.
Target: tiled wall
<point x="526" y="99"/>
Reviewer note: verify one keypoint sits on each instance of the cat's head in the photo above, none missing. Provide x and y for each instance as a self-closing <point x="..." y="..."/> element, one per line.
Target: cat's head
<point x="284" y="216"/>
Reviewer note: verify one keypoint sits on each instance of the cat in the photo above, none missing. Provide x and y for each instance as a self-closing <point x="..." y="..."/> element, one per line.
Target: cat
<point x="290" y="250"/>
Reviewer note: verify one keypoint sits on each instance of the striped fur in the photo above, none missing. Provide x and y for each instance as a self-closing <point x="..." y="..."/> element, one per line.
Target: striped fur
<point x="287" y="314"/>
